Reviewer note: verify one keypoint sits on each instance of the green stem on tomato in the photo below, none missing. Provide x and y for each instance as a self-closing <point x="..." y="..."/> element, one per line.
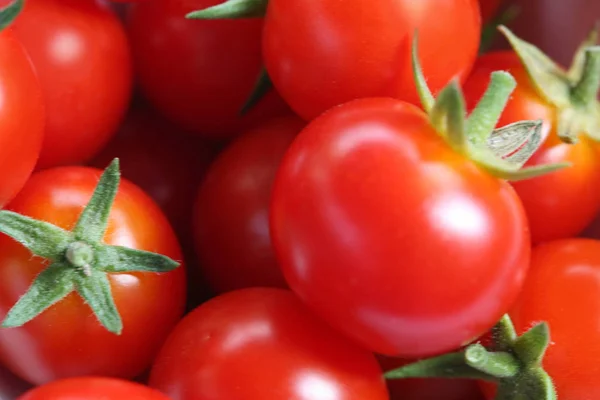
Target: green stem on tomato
<point x="9" y="12"/>
<point x="232" y="9"/>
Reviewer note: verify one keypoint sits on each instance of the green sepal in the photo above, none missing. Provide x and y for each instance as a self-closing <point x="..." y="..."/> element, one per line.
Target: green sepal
<point x="526" y="136"/>
<point x="125" y="259"/>
<point x="9" y="12"/>
<point x="95" y="290"/>
<point x="532" y="345"/>
<point x="262" y="86"/>
<point x="50" y="286"/>
<point x="232" y="9"/>
<point x="27" y="231"/>
<point x="490" y="30"/>
<point x="425" y="95"/>
<point x="585" y="91"/>
<point x="448" y="116"/>
<point x="92" y="222"/>
<point x="504" y="334"/>
<point x="576" y="70"/>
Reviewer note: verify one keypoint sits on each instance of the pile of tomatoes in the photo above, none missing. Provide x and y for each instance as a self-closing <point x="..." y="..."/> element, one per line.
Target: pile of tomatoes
<point x="295" y="200"/>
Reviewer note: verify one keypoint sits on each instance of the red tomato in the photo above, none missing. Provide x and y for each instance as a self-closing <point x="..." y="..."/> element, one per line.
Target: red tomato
<point x="562" y="288"/>
<point x="198" y="73"/>
<point x="80" y="52"/>
<point x="263" y="344"/>
<point x="428" y="389"/>
<point x="373" y="216"/>
<point x="489" y="9"/>
<point x="21" y="117"/>
<point x="93" y="388"/>
<point x="561" y="204"/>
<point x="232" y="209"/>
<point x="67" y="340"/>
<point x="326" y="53"/>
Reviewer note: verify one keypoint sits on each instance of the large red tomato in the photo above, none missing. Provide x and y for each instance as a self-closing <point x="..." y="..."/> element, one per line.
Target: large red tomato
<point x="562" y="288"/>
<point x="199" y="73"/>
<point x="231" y="216"/>
<point x="80" y="52"/>
<point x="21" y="117"/>
<point x="67" y="339"/>
<point x="325" y="53"/>
<point x="263" y="344"/>
<point x="560" y="204"/>
<point x="391" y="236"/>
<point x="92" y="388"/>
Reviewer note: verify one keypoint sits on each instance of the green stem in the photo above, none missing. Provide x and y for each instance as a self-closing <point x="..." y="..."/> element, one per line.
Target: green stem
<point x="498" y="364"/>
<point x="585" y="92"/>
<point x="232" y="9"/>
<point x="425" y="95"/>
<point x="9" y="12"/>
<point x="486" y="114"/>
<point x="451" y="365"/>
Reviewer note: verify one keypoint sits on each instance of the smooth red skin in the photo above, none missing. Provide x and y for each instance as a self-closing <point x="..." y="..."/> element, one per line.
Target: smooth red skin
<point x="231" y="214"/>
<point x="199" y="73"/>
<point x="372" y="217"/>
<point x="323" y="54"/>
<point x="428" y="389"/>
<point x="92" y="388"/>
<point x="21" y="117"/>
<point x="67" y="340"/>
<point x="489" y="9"/>
<point x="80" y="52"/>
<point x="562" y="288"/>
<point x="262" y="343"/>
<point x="162" y="161"/>
<point x="561" y="204"/>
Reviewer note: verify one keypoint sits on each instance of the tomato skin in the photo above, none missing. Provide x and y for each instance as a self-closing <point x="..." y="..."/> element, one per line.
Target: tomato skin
<point x="562" y="288"/>
<point x="320" y="55"/>
<point x="231" y="217"/>
<point x="370" y="198"/>
<point x="67" y="340"/>
<point x="80" y="52"/>
<point x="21" y="117"/>
<point x="560" y="204"/>
<point x="489" y="9"/>
<point x="199" y="73"/>
<point x="292" y="355"/>
<point x="92" y="388"/>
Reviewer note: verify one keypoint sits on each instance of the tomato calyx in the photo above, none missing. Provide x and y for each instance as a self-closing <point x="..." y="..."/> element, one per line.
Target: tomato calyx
<point x="574" y="92"/>
<point x="502" y="152"/>
<point x="513" y="362"/>
<point x="232" y="9"/>
<point x="490" y="30"/>
<point x="9" y="12"/>
<point x="78" y="260"/>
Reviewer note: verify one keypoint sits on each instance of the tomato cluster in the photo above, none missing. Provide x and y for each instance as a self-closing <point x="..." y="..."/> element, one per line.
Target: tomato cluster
<point x="303" y="200"/>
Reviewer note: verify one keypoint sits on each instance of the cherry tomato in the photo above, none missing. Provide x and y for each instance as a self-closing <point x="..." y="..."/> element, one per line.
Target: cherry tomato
<point x="428" y="389"/>
<point x="232" y="209"/>
<point x="321" y="54"/>
<point x="81" y="55"/>
<point x="489" y="9"/>
<point x="21" y="117"/>
<point x="67" y="340"/>
<point x="562" y="288"/>
<point x="199" y="73"/>
<point x="561" y="204"/>
<point x="372" y="217"/>
<point x="93" y="388"/>
<point x="262" y="343"/>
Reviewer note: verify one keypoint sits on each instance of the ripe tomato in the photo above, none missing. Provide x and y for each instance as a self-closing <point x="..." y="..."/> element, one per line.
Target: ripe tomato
<point x="263" y="344"/>
<point x="231" y="215"/>
<point x="428" y="389"/>
<point x="562" y="288"/>
<point x="373" y="215"/>
<point x="21" y="117"/>
<point x="67" y="340"/>
<point x="561" y="204"/>
<point x="93" y="388"/>
<point x="489" y="8"/>
<point x="323" y="54"/>
<point x="198" y="73"/>
<point x="80" y="52"/>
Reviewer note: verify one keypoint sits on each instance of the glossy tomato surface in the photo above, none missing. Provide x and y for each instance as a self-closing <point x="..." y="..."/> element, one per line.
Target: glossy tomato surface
<point x="92" y="388"/>
<point x="80" y="52"/>
<point x="231" y="217"/>
<point x="262" y="343"/>
<point x="21" y="117"/>
<point x="562" y="288"/>
<point x="67" y="340"/>
<point x="560" y="204"/>
<point x="198" y="73"/>
<point x="393" y="238"/>
<point x="322" y="54"/>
